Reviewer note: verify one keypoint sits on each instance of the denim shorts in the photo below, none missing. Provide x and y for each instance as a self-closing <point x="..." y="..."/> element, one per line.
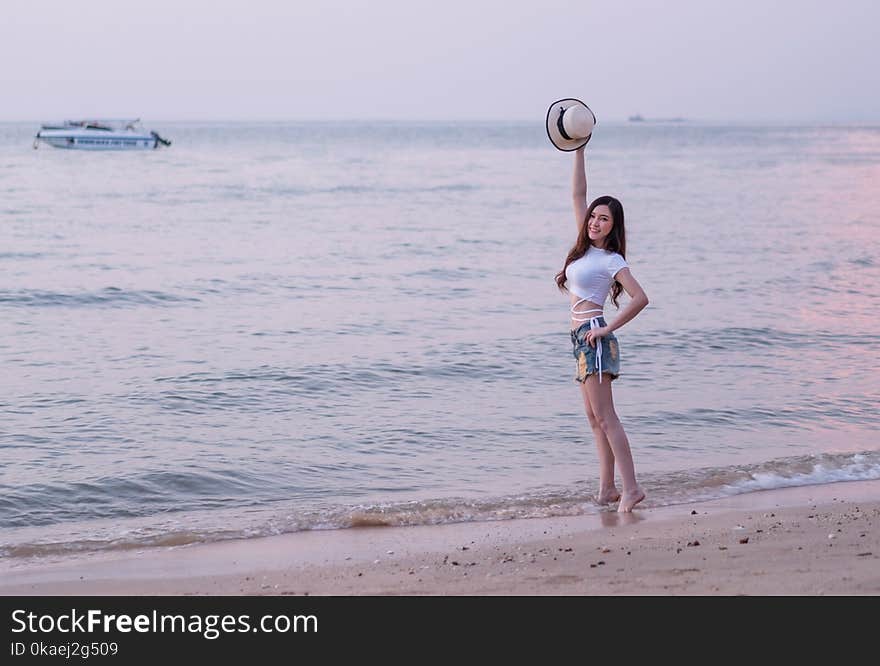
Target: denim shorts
<point x="587" y="356"/>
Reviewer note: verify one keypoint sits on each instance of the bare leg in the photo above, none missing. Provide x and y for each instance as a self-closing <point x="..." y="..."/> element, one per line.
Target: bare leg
<point x="608" y="492"/>
<point x="602" y="404"/>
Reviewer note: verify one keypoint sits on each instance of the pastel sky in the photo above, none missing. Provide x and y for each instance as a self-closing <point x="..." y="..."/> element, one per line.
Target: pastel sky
<point x="749" y="61"/>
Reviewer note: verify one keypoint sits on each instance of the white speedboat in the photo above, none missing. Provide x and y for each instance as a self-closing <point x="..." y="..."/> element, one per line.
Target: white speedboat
<point x="99" y="135"/>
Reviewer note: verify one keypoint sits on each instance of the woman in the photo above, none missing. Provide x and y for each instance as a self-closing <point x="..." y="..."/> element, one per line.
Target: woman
<point x="595" y="266"/>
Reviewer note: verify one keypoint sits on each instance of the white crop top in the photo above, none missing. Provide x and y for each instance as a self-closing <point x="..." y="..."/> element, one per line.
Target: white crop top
<point x="591" y="276"/>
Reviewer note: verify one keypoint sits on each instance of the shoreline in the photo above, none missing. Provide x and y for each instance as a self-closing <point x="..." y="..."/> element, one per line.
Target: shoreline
<point x="802" y="540"/>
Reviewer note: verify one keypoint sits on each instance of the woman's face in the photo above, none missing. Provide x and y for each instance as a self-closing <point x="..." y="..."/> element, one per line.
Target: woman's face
<point x="600" y="224"/>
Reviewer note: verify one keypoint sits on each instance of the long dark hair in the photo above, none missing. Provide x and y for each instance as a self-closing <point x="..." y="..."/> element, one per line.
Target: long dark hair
<point x="615" y="242"/>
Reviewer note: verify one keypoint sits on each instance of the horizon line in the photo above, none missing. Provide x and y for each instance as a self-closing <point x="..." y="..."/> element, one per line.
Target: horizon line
<point x="677" y="120"/>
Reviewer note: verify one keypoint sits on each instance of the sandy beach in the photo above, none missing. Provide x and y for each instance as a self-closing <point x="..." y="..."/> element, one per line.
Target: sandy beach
<point x="800" y="541"/>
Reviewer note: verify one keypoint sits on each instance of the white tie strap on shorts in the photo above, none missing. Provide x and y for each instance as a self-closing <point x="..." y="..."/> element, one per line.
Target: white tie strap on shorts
<point x="578" y="315"/>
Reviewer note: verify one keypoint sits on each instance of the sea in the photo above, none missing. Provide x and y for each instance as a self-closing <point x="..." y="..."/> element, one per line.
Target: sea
<point x="273" y="327"/>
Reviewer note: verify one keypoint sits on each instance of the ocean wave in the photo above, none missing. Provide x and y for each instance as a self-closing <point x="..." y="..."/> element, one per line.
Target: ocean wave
<point x="268" y="388"/>
<point x="264" y="519"/>
<point x="739" y="339"/>
<point x="21" y="255"/>
<point x="246" y="193"/>
<point x="852" y="410"/>
<point x="107" y="297"/>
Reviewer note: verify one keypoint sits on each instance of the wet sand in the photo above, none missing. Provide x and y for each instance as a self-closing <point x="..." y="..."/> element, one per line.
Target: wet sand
<point x="799" y="541"/>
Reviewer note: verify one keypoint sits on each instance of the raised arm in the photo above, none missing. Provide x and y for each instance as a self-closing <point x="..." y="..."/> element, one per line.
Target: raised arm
<point x="579" y="188"/>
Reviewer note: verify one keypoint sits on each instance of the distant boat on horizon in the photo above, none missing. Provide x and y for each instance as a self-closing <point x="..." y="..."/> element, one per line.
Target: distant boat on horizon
<point x="99" y="135"/>
<point x="639" y="118"/>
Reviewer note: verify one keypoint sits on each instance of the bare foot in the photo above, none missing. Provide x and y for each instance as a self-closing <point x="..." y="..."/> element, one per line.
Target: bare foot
<point x="630" y="499"/>
<point x="608" y="496"/>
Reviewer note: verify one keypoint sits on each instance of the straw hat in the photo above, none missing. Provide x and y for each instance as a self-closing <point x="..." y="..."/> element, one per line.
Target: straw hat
<point x="570" y="124"/>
